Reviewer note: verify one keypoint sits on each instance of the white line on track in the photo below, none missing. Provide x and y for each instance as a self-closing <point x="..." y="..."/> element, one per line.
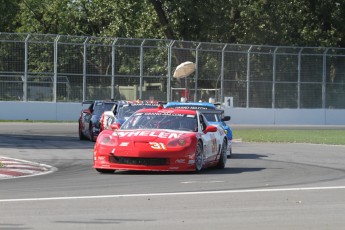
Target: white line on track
<point x="202" y="182"/>
<point x="173" y="194"/>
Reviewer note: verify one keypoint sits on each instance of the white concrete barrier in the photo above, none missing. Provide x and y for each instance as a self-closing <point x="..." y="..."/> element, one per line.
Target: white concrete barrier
<point x="50" y="111"/>
<point x="261" y="116"/>
<point x="44" y="111"/>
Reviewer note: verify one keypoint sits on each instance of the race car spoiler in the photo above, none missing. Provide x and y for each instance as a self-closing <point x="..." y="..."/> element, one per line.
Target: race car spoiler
<point x="93" y="101"/>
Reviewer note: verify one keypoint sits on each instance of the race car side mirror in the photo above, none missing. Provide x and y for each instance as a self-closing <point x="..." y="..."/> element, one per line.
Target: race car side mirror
<point x="226" y="118"/>
<point x="210" y="129"/>
<point x="115" y="126"/>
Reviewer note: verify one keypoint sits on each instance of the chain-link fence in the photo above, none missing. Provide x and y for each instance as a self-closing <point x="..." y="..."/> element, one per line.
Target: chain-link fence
<point x="59" y="68"/>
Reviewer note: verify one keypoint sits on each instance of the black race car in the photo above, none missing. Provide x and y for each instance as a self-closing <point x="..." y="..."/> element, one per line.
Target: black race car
<point x="89" y="120"/>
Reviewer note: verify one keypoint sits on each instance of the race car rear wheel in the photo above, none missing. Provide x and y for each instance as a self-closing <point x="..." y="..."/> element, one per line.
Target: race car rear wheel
<point x="105" y="170"/>
<point x="199" y="158"/>
<point x="223" y="155"/>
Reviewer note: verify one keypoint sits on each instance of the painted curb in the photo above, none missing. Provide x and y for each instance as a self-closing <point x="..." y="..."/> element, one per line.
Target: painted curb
<point x="14" y="168"/>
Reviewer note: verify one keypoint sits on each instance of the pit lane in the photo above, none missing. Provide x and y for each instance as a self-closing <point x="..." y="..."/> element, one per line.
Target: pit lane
<point x="254" y="167"/>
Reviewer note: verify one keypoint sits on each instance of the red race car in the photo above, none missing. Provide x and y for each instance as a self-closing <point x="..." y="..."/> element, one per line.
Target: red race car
<point x="161" y="140"/>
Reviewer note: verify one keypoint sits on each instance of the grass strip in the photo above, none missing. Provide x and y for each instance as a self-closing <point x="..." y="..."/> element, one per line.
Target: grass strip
<point x="332" y="137"/>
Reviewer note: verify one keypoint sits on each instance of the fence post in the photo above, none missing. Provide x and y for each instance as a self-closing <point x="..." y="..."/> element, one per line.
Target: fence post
<point x="113" y="69"/>
<point x="324" y="76"/>
<point x="55" y="68"/>
<point x="248" y="75"/>
<point x="274" y="78"/>
<point x="222" y="75"/>
<point x="196" y="71"/>
<point x="26" y="53"/>
<point x="141" y="69"/>
<point x="84" y="69"/>
<point x="169" y="70"/>
<point x="299" y="79"/>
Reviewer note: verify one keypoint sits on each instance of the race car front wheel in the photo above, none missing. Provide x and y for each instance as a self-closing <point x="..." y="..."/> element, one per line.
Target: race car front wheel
<point x="223" y="155"/>
<point x="199" y="159"/>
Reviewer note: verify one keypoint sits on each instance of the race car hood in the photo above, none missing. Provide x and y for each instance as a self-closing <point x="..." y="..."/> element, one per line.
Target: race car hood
<point x="136" y="142"/>
<point x="217" y="123"/>
<point x="225" y="127"/>
<point x="148" y="135"/>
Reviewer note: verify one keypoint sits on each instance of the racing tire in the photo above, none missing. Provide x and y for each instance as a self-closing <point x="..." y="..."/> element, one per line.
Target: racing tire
<point x="81" y="135"/>
<point x="230" y="155"/>
<point x="223" y="156"/>
<point x="199" y="158"/>
<point x="92" y="135"/>
<point x="108" y="171"/>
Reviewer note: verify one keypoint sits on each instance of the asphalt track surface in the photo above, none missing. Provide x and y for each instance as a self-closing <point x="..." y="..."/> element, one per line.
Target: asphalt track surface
<point x="264" y="186"/>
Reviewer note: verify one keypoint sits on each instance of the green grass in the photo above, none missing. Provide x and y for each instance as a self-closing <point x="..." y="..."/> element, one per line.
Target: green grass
<point x="333" y="137"/>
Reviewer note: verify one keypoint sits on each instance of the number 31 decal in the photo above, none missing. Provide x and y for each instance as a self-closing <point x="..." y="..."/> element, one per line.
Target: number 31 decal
<point x="156" y="145"/>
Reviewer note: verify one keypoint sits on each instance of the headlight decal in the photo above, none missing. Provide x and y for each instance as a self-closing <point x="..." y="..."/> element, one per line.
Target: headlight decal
<point x="108" y="140"/>
<point x="182" y="141"/>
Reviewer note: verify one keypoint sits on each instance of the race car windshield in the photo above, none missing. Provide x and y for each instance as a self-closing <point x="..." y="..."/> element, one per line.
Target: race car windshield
<point x="213" y="117"/>
<point x="101" y="107"/>
<point x="127" y="111"/>
<point x="162" y="121"/>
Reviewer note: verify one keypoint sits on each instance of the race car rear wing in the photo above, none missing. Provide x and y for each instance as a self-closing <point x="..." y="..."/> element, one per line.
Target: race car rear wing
<point x="87" y="102"/>
<point x="93" y="101"/>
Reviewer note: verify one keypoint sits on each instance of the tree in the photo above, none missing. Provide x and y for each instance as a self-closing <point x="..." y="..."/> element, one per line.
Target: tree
<point x="8" y="12"/>
<point x="274" y="22"/>
<point x="122" y="18"/>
